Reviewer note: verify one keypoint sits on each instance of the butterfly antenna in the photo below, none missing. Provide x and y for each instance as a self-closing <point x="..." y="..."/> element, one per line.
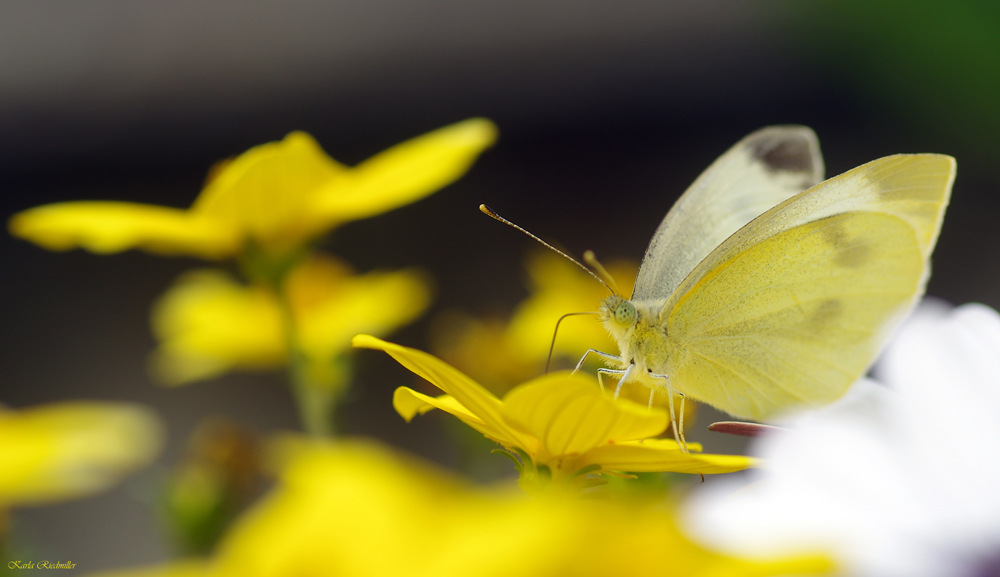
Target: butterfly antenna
<point x="489" y="212"/>
<point x="552" y="347"/>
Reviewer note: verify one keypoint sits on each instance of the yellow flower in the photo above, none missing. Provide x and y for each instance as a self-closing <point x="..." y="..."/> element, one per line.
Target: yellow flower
<point x="275" y="196"/>
<point x="208" y="324"/>
<point x="353" y="509"/>
<point x="561" y="422"/>
<point x="71" y="449"/>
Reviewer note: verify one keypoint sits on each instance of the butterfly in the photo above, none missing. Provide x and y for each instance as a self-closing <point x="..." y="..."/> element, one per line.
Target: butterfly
<point x="764" y="289"/>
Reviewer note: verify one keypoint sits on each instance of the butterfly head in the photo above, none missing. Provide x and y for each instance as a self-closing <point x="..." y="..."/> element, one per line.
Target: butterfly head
<point x="624" y="314"/>
<point x="618" y="314"/>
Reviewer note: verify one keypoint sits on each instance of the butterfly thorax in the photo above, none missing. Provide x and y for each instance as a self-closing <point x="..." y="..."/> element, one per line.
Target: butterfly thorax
<point x="640" y="334"/>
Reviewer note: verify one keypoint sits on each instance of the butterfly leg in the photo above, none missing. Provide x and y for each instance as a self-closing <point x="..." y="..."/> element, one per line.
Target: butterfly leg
<point x="606" y="372"/>
<point x="681" y="425"/>
<point x="624" y="377"/>
<point x="606" y="356"/>
<point x="678" y="432"/>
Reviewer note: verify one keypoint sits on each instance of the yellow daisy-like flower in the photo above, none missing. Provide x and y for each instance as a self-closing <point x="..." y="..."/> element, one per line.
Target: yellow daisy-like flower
<point x="275" y="196"/>
<point x="71" y="449"/>
<point x="209" y="324"/>
<point x="352" y="509"/>
<point x="562" y="423"/>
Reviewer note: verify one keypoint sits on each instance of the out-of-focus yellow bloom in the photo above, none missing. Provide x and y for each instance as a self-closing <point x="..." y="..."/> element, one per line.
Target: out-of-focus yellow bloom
<point x="276" y="196"/>
<point x="351" y="509"/>
<point x="208" y="324"/>
<point x="66" y="450"/>
<point x="563" y="423"/>
<point x="502" y="355"/>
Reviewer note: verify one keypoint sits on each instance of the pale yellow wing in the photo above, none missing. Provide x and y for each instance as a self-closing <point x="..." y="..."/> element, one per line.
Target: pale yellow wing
<point x="765" y="168"/>
<point x="793" y="308"/>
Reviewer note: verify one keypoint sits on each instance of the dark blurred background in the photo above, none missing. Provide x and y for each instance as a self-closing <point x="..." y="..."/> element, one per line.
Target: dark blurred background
<point x="607" y="111"/>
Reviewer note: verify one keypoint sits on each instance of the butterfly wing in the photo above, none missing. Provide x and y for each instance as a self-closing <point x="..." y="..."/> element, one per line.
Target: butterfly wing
<point x="793" y="308"/>
<point x="765" y="168"/>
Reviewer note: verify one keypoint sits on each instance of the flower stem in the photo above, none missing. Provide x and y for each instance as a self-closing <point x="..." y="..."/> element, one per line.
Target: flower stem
<point x="315" y="402"/>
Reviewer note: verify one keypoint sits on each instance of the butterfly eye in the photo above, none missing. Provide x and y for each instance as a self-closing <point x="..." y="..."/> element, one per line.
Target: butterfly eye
<point x="625" y="313"/>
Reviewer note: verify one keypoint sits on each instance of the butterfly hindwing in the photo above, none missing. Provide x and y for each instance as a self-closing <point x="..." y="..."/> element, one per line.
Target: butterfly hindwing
<point x="793" y="308"/>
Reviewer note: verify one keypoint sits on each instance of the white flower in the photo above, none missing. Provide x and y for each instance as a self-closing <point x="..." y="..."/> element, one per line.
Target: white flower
<point x="894" y="480"/>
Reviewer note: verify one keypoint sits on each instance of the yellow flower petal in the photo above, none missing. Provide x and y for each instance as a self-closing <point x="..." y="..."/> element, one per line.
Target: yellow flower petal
<point x="469" y="393"/>
<point x="408" y="403"/>
<point x="562" y="421"/>
<point x="208" y="324"/>
<point x="65" y="450"/>
<point x="280" y="195"/>
<point x="570" y="415"/>
<point x="654" y="455"/>
<point x="108" y="227"/>
<point x="406" y="172"/>
<point x="269" y="191"/>
<point x="330" y="308"/>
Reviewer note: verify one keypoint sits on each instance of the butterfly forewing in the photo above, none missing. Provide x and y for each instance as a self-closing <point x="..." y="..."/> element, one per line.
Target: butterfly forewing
<point x="762" y="170"/>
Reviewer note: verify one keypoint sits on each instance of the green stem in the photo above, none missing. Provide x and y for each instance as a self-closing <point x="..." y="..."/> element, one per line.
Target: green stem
<point x="315" y="401"/>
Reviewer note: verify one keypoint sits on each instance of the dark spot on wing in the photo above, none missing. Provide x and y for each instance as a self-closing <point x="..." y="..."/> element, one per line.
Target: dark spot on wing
<point x="853" y="256"/>
<point x="833" y="232"/>
<point x="849" y="253"/>
<point x="791" y="154"/>
<point x="825" y="313"/>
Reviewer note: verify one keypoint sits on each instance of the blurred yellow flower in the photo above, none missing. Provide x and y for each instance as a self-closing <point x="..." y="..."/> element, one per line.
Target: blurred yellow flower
<point x="208" y="324"/>
<point x="71" y="449"/>
<point x="353" y="509"/>
<point x="562" y="424"/>
<point x="276" y="197"/>
<point x="500" y="355"/>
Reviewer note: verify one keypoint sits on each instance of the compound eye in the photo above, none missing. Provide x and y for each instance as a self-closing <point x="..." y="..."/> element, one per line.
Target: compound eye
<point x="625" y="313"/>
